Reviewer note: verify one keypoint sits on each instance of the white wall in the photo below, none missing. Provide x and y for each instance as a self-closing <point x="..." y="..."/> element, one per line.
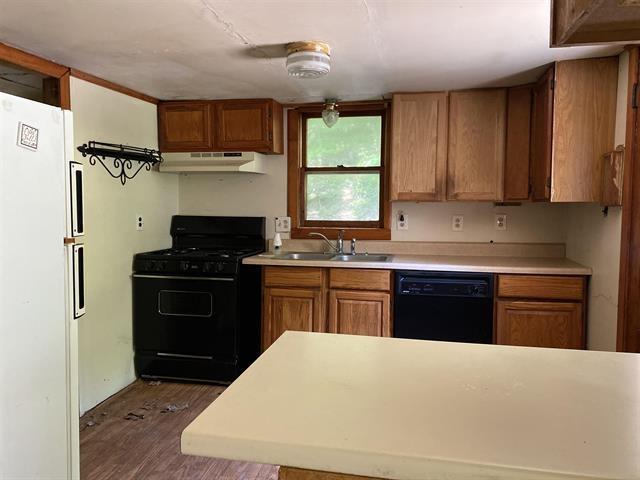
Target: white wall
<point x="105" y="332"/>
<point x="594" y="240"/>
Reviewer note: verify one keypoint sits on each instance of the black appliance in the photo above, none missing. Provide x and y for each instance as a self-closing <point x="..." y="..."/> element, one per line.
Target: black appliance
<point x="453" y="307"/>
<point x="196" y="307"/>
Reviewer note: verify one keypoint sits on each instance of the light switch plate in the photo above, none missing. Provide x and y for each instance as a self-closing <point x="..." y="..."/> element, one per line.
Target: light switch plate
<point x="402" y="221"/>
<point x="457" y="223"/>
<point x="139" y="222"/>
<point x="500" y="221"/>
<point x="283" y="224"/>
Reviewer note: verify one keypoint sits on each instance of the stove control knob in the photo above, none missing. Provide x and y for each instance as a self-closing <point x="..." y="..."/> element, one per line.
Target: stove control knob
<point x="219" y="267"/>
<point x="184" y="266"/>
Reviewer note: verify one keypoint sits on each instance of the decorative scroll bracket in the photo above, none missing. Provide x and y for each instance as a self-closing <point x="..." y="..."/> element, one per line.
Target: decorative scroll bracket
<point x="124" y="156"/>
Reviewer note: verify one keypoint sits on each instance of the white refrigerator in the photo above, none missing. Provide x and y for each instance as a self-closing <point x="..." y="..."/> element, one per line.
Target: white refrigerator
<point x="41" y="291"/>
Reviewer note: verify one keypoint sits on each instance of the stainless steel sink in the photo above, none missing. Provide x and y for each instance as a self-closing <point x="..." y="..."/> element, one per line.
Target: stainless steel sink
<point x="360" y="257"/>
<point x="304" y="256"/>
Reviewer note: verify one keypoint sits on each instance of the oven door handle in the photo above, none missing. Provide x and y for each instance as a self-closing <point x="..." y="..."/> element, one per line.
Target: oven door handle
<point x="176" y="277"/>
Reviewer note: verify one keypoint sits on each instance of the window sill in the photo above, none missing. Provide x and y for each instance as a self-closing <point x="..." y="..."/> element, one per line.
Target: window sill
<point x="349" y="233"/>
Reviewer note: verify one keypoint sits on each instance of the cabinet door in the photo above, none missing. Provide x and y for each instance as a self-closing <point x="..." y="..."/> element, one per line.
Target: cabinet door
<point x="290" y="309"/>
<point x="584" y="117"/>
<point x="244" y="125"/>
<point x="541" y="136"/>
<point x="540" y="324"/>
<point x="360" y="313"/>
<point x="185" y="126"/>
<point x="516" y="167"/>
<point x="475" y="166"/>
<point x="419" y="146"/>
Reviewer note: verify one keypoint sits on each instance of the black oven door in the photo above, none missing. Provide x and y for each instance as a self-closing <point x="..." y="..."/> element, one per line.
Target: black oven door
<point x="185" y="317"/>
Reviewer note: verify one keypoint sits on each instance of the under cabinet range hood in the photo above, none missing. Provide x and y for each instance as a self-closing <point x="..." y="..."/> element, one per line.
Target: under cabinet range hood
<point x="205" y="162"/>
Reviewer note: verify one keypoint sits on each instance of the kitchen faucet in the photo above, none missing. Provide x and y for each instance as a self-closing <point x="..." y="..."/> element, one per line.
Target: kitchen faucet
<point x="338" y="247"/>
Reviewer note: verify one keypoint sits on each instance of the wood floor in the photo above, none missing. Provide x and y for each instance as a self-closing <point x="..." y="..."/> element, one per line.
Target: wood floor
<point x="147" y="444"/>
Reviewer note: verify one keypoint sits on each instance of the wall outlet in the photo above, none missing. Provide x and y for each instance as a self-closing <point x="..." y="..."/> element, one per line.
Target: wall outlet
<point x="402" y="221"/>
<point x="139" y="222"/>
<point x="283" y="224"/>
<point x="457" y="223"/>
<point x="501" y="221"/>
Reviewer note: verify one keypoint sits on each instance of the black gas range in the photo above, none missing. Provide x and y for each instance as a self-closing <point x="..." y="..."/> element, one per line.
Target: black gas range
<point x="196" y="307"/>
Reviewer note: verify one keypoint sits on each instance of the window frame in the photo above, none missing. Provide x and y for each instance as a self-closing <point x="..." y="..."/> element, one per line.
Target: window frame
<point x="297" y="172"/>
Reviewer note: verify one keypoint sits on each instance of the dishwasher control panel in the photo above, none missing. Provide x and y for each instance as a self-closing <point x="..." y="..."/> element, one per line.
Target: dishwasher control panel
<point x="449" y="287"/>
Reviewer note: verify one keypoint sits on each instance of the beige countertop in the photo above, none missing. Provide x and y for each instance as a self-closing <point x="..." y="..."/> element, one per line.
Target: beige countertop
<point x="411" y="409"/>
<point x="449" y="263"/>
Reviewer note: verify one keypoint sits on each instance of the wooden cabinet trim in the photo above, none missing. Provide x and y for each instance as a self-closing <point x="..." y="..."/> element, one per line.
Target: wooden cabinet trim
<point x="552" y="287"/>
<point x="360" y="279"/>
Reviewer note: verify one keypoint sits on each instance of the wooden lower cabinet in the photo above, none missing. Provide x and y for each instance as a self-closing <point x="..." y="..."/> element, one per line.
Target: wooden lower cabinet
<point x="360" y="313"/>
<point x="351" y="301"/>
<point x="540" y="324"/>
<point x="285" y="309"/>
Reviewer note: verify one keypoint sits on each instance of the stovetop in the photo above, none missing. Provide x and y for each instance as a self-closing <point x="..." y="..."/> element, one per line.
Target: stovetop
<point x="202" y="245"/>
<point x="196" y="253"/>
<point x="199" y="261"/>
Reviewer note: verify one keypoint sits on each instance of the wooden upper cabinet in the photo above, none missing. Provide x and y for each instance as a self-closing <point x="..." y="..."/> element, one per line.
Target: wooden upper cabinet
<point x="584" y="115"/>
<point x="476" y="146"/>
<point x="517" y="157"/>
<point x="185" y="126"/>
<point x="419" y="146"/>
<point x="360" y="313"/>
<point x="253" y="125"/>
<point x="541" y="136"/>
<point x="225" y="125"/>
<point x="539" y="324"/>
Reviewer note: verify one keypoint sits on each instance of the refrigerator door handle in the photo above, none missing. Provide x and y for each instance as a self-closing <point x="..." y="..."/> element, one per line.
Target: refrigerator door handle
<point x="78" y="281"/>
<point x="77" y="198"/>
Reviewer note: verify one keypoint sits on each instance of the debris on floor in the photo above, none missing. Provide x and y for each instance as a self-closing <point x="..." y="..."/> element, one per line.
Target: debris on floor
<point x="149" y="405"/>
<point x="172" y="408"/>
<point x="154" y="383"/>
<point x="133" y="416"/>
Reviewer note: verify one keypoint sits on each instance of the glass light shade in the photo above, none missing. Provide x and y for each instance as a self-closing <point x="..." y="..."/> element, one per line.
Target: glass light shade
<point x="330" y="116"/>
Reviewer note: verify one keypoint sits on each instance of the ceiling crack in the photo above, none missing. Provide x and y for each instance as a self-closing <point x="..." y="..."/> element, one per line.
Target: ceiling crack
<point x="227" y="27"/>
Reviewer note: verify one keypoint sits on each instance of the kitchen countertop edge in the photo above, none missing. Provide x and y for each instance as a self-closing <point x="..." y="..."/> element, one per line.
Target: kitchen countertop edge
<point x="445" y="263"/>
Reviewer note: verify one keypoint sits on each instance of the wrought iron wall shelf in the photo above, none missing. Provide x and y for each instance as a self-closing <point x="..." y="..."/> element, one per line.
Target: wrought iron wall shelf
<point x="122" y="166"/>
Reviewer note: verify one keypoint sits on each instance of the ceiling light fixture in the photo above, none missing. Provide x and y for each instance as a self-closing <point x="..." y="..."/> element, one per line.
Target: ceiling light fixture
<point x="330" y="114"/>
<point x="309" y="59"/>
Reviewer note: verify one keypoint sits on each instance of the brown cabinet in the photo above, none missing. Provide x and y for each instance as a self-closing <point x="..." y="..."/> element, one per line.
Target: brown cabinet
<point x="224" y="125"/>
<point x="249" y="125"/>
<point x="476" y="147"/>
<point x="540" y="324"/>
<point x="574" y="110"/>
<point x="351" y="301"/>
<point x="185" y="126"/>
<point x="540" y="311"/>
<point x="518" y="152"/>
<point x="541" y="136"/>
<point x="290" y="309"/>
<point x="419" y="146"/>
<point x="360" y="313"/>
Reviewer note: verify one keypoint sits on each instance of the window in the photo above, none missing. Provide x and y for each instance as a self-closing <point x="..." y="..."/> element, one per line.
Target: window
<point x="338" y="173"/>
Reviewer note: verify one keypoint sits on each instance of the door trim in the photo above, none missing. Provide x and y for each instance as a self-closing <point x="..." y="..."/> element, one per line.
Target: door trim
<point x="628" y="335"/>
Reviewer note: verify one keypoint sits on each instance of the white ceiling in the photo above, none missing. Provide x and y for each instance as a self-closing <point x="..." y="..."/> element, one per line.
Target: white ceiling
<point x="199" y="48"/>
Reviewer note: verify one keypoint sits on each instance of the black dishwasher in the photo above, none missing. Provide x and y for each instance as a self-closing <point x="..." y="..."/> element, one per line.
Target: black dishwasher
<point x="452" y="307"/>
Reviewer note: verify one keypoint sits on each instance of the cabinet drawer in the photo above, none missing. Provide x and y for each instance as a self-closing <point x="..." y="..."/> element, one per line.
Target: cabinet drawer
<point x="556" y="287"/>
<point x="293" y="277"/>
<point x="360" y="279"/>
